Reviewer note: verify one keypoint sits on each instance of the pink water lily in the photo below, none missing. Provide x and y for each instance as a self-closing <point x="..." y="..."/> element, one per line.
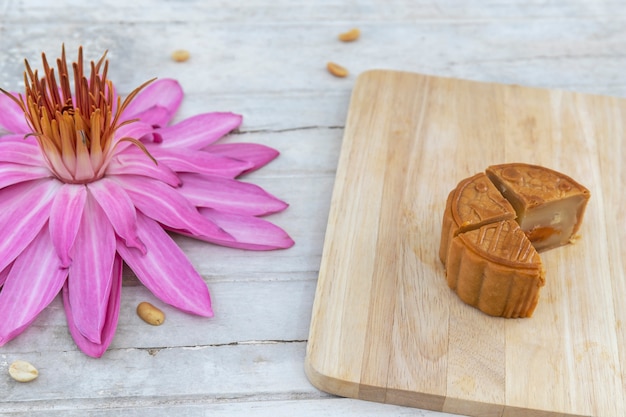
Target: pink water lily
<point x="89" y="181"/>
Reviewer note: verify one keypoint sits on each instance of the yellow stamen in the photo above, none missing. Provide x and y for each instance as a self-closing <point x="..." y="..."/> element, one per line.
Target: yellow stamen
<point x="75" y="127"/>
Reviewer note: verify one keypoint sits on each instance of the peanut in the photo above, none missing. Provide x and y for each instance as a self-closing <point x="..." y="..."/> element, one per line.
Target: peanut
<point x="349" y="36"/>
<point x="337" y="70"/>
<point x="23" y="371"/>
<point x="180" y="55"/>
<point x="150" y="314"/>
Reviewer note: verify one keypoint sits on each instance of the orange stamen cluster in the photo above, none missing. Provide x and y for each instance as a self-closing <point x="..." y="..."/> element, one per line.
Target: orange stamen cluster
<point x="75" y="128"/>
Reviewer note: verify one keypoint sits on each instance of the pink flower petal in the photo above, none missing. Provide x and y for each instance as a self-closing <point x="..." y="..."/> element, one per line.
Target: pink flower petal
<point x="161" y="98"/>
<point x="65" y="217"/>
<point x="249" y="232"/>
<point x="4" y="274"/>
<point x="187" y="160"/>
<point x="19" y="137"/>
<point x="133" y="162"/>
<point x="156" y="116"/>
<point x="119" y="209"/>
<point x="164" y="204"/>
<point x="258" y="155"/>
<point x="15" y="173"/>
<point x="134" y="130"/>
<point x="90" y="348"/>
<point x="91" y="271"/>
<point x="11" y="115"/>
<point x="229" y="195"/>
<point x="19" y="151"/>
<point x="32" y="283"/>
<point x="199" y="131"/>
<point x="18" y="226"/>
<point x="166" y="271"/>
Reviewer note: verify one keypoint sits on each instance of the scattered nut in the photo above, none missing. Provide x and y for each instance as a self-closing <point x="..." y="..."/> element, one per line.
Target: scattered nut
<point x="349" y="36"/>
<point x="180" y="55"/>
<point x="150" y="314"/>
<point x="337" y="70"/>
<point x="23" y="371"/>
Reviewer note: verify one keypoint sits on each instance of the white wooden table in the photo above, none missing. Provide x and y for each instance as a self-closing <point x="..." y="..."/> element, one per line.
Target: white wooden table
<point x="266" y="59"/>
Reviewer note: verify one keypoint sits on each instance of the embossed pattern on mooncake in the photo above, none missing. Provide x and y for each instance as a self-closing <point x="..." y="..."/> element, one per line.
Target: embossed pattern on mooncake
<point x="496" y="269"/>
<point x="476" y="200"/>
<point x="503" y="242"/>
<point x="534" y="184"/>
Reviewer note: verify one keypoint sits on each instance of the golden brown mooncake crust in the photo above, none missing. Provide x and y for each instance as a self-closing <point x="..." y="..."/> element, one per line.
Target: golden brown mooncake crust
<point x="533" y="184"/>
<point x="474" y="202"/>
<point x="549" y="205"/>
<point x="492" y="262"/>
<point x="496" y="269"/>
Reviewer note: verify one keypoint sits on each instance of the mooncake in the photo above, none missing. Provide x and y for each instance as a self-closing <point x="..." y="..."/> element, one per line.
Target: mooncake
<point x="494" y="225"/>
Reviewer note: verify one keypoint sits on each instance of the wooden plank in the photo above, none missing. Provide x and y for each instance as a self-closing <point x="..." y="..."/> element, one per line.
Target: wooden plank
<point x="485" y="49"/>
<point x="323" y="11"/>
<point x="258" y="306"/>
<point x="421" y="346"/>
<point x="202" y="373"/>
<point x="230" y="407"/>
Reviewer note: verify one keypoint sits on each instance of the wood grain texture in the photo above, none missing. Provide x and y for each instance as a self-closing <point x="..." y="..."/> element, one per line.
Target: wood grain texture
<point x="386" y="327"/>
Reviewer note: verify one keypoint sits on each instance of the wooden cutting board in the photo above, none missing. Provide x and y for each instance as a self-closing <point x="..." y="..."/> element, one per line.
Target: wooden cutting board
<point x="385" y="327"/>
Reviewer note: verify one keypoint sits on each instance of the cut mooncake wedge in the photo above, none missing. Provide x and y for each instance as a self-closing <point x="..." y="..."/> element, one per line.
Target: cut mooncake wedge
<point x="549" y="205"/>
<point x="496" y="269"/>
<point x="473" y="203"/>
<point x="494" y="225"/>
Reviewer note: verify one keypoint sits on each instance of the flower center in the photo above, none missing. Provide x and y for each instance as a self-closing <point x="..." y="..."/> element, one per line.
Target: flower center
<point x="75" y="128"/>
